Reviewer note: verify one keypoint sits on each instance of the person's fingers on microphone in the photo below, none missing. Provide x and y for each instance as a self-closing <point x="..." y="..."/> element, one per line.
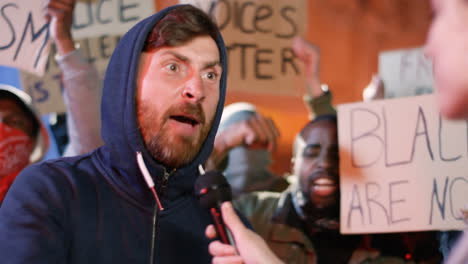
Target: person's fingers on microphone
<point x="231" y="219"/>
<point x="210" y="232"/>
<point x="228" y="260"/>
<point x="216" y="248"/>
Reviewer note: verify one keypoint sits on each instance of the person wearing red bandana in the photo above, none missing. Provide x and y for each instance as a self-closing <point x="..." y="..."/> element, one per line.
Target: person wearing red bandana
<point x="22" y="138"/>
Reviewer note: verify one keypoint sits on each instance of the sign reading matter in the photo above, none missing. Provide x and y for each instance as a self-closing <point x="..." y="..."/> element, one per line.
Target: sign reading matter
<point x="403" y="167"/>
<point x="46" y="92"/>
<point x="24" y="35"/>
<point x="406" y="73"/>
<point x="258" y="35"/>
<point x="95" y="18"/>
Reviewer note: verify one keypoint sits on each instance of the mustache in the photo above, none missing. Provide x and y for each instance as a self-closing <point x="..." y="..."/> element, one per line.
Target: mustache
<point x="193" y="110"/>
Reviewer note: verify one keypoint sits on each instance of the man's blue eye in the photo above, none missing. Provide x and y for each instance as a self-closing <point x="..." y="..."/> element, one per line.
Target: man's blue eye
<point x="211" y="75"/>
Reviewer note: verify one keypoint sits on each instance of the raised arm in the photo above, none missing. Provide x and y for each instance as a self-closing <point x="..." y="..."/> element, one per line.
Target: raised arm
<point x="81" y="83"/>
<point x="317" y="98"/>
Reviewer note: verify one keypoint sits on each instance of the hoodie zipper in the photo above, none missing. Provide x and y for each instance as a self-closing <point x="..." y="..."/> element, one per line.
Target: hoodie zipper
<point x="158" y="207"/>
<point x="153" y="233"/>
<point x="165" y="181"/>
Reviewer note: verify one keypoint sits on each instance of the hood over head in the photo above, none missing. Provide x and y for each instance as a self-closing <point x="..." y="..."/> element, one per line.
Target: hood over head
<point x="120" y="128"/>
<point x="26" y="102"/>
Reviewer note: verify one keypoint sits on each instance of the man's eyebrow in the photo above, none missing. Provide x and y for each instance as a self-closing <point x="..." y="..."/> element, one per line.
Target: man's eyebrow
<point x="212" y="64"/>
<point x="185" y="59"/>
<point x="313" y="145"/>
<point x="318" y="145"/>
<point x="177" y="55"/>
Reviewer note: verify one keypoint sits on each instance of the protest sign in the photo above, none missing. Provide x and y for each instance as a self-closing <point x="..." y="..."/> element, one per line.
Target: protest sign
<point x="403" y="167"/>
<point x="258" y="35"/>
<point x="405" y="73"/>
<point x="25" y="33"/>
<point x="47" y="91"/>
<point x="108" y="17"/>
<point x="98" y="25"/>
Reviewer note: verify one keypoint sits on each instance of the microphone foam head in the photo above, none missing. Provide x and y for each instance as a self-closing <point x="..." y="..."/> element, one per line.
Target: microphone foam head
<point x="212" y="189"/>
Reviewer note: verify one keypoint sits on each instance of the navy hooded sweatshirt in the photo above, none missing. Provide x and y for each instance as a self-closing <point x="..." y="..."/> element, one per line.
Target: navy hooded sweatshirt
<point x="97" y="208"/>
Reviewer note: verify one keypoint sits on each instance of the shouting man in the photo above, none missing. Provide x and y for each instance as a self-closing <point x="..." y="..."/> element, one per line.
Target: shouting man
<point x="131" y="200"/>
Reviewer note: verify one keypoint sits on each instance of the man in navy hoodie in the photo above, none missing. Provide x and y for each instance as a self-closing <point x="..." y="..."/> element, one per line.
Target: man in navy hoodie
<point x="162" y="101"/>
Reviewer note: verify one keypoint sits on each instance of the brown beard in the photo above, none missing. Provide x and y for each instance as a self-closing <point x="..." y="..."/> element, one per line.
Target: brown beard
<point x="172" y="151"/>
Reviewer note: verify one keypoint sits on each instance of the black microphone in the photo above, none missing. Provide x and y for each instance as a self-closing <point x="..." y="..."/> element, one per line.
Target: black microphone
<point x="212" y="189"/>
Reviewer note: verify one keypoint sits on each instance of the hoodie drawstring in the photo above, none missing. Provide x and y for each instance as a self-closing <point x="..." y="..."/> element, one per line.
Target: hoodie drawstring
<point x="149" y="181"/>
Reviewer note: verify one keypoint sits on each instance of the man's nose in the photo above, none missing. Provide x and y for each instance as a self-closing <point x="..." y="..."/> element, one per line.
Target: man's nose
<point x="194" y="89"/>
<point x="326" y="160"/>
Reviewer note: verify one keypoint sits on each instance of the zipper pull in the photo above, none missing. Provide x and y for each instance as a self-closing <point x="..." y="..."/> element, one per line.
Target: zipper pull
<point x="165" y="181"/>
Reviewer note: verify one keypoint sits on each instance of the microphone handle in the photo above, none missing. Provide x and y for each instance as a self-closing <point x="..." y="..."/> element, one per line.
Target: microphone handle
<point x="223" y="232"/>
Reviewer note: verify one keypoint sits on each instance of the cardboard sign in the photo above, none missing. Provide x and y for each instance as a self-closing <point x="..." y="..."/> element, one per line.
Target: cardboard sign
<point x="25" y="33"/>
<point x="406" y="73"/>
<point x="258" y="35"/>
<point x="403" y="168"/>
<point x="47" y="91"/>
<point x="95" y="18"/>
<point x="98" y="25"/>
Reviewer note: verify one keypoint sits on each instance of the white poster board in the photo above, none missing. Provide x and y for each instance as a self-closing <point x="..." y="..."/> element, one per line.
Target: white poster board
<point x="108" y="17"/>
<point x="405" y="73"/>
<point x="258" y="35"/>
<point x="24" y="35"/>
<point x="403" y="168"/>
<point x="46" y="92"/>
<point x="97" y="26"/>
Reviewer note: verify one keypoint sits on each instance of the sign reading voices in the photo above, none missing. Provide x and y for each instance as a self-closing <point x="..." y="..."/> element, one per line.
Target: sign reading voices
<point x="258" y="35"/>
<point x="403" y="167"/>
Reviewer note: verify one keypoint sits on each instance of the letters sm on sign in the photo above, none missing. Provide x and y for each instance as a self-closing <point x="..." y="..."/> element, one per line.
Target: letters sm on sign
<point x="258" y="36"/>
<point x="403" y="168"/>
<point x="24" y="35"/>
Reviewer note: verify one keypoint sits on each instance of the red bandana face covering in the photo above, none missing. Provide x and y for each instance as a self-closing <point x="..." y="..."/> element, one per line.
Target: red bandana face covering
<point x="15" y="149"/>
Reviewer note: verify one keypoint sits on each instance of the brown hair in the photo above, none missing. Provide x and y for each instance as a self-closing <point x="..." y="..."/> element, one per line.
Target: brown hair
<point x="180" y="25"/>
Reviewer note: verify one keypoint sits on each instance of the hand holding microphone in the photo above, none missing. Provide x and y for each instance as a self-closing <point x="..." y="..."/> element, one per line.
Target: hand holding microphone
<point x="212" y="190"/>
<point x="250" y="247"/>
<point x="239" y="244"/>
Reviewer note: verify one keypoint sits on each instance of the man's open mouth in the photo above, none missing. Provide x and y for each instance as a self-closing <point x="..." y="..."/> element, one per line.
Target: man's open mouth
<point x="185" y="119"/>
<point x="324" y="186"/>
